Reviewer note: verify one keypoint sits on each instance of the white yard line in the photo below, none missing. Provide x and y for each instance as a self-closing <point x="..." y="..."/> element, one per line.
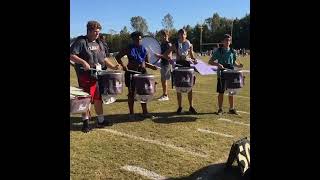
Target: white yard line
<point x="243" y="112"/>
<point x="212" y="132"/>
<point x="143" y="172"/>
<point x="235" y="122"/>
<point x="155" y="142"/>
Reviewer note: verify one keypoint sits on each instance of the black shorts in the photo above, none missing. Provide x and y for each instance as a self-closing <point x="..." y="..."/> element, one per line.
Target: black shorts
<point x="221" y="85"/>
<point x="128" y="80"/>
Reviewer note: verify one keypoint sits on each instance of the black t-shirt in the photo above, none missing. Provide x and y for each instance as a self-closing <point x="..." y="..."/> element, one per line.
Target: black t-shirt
<point x="164" y="47"/>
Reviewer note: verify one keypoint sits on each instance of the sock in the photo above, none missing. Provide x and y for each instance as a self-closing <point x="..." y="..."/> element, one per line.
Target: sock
<point x="100" y="118"/>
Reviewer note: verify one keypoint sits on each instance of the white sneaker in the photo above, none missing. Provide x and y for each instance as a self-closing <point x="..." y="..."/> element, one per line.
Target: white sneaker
<point x="164" y="98"/>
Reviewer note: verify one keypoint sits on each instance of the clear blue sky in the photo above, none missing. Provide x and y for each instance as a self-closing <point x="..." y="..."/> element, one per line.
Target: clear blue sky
<point x="115" y="14"/>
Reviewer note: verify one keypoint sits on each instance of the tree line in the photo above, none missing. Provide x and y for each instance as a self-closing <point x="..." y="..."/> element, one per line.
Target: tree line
<point x="213" y="30"/>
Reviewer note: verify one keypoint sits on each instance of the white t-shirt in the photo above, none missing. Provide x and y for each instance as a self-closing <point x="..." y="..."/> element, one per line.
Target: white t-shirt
<point x="183" y="49"/>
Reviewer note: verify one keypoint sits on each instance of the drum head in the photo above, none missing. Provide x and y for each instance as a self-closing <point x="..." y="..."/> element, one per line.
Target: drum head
<point x="153" y="46"/>
<point x="75" y="89"/>
<point x="77" y="92"/>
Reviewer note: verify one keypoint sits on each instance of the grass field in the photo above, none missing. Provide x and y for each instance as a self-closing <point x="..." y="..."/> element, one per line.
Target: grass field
<point x="170" y="145"/>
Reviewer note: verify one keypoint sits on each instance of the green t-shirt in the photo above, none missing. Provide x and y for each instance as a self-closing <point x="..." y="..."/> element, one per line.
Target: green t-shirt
<point x="226" y="57"/>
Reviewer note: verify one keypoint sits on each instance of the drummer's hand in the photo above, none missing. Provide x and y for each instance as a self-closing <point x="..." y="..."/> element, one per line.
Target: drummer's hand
<point x="220" y="66"/>
<point x="194" y="61"/>
<point x="143" y="65"/>
<point x="116" y="67"/>
<point x="143" y="70"/>
<point x="240" y="65"/>
<point x="124" y="68"/>
<point x="86" y="66"/>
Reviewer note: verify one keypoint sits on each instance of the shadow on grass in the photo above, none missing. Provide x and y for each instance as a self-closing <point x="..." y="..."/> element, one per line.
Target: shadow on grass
<point x="215" y="171"/>
<point x="76" y="122"/>
<point x="162" y="117"/>
<point x="121" y="100"/>
<point x="173" y="117"/>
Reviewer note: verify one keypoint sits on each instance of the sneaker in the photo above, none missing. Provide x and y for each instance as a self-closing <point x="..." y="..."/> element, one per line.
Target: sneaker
<point x="164" y="98"/>
<point x="220" y="112"/>
<point x="179" y="110"/>
<point x="233" y="111"/>
<point x="85" y="127"/>
<point x="192" y="110"/>
<point x="147" y="115"/>
<point x="104" y="123"/>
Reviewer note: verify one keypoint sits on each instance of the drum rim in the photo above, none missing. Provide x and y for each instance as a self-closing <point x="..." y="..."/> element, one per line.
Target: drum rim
<point x="158" y="43"/>
<point x="151" y="37"/>
<point x="143" y="75"/>
<point x="83" y="97"/>
<point x="109" y="72"/>
<point x="231" y="71"/>
<point x="184" y="69"/>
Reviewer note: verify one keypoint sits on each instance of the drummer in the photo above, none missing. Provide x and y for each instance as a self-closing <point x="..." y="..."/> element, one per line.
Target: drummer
<point x="138" y="60"/>
<point x="165" y="64"/>
<point x="224" y="57"/>
<point x="183" y="49"/>
<point x="88" y="52"/>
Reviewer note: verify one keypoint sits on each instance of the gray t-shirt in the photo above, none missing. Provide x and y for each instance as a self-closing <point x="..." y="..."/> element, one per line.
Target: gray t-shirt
<point x="91" y="53"/>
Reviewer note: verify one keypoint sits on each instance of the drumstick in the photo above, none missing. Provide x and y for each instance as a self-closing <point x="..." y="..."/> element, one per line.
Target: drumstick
<point x="244" y="71"/>
<point x="226" y="69"/>
<point x="154" y="53"/>
<point x="153" y="65"/>
<point x="93" y="69"/>
<point x="137" y="72"/>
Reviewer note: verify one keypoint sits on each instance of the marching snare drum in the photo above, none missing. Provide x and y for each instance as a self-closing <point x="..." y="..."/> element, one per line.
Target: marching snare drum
<point x="184" y="79"/>
<point x="110" y="85"/>
<point x="79" y="101"/>
<point x="145" y="87"/>
<point x="233" y="81"/>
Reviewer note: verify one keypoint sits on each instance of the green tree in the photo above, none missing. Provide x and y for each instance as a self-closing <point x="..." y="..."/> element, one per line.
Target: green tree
<point x="167" y="22"/>
<point x="138" y="23"/>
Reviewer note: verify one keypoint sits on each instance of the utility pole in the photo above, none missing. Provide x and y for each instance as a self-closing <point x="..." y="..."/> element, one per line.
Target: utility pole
<point x="201" y="29"/>
<point x="231" y="32"/>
